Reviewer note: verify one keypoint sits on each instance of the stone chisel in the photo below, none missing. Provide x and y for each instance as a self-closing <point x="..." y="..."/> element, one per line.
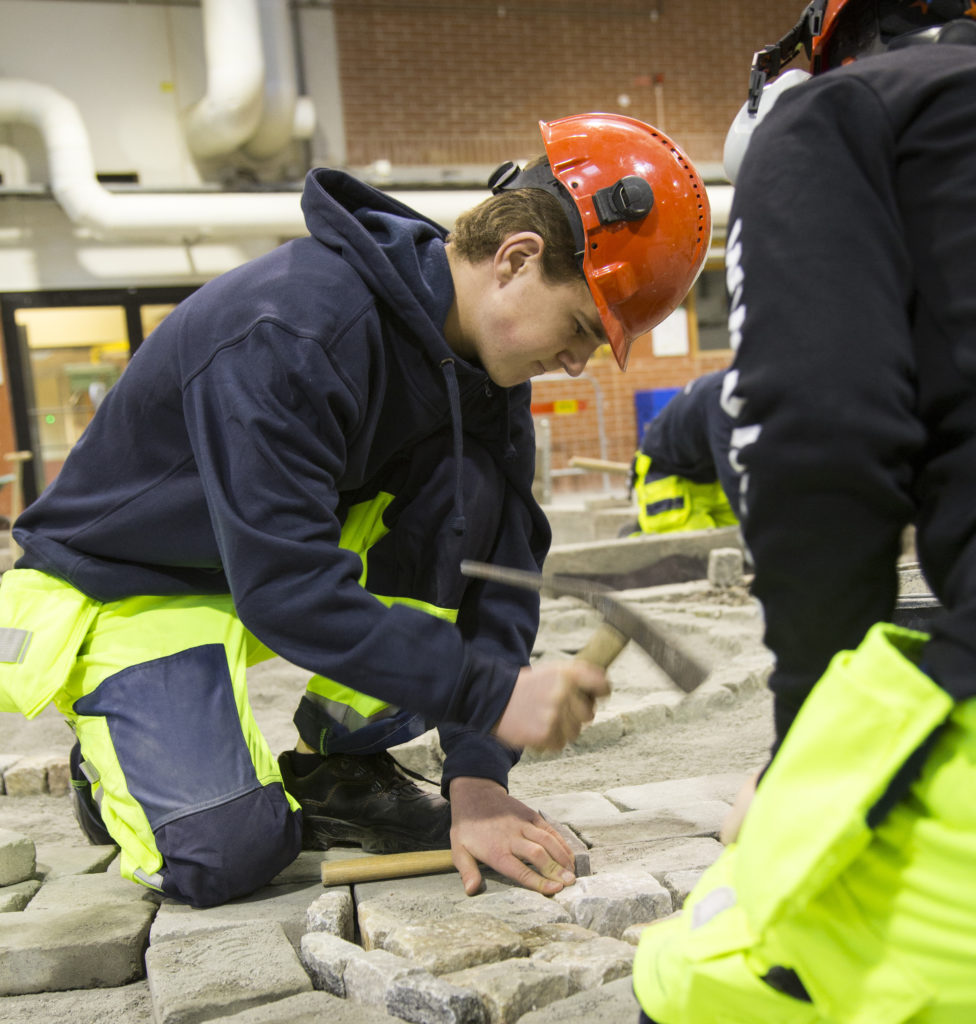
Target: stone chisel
<point x="620" y="622"/>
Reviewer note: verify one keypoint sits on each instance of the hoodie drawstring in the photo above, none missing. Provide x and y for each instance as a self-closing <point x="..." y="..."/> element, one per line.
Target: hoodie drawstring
<point x="454" y="400"/>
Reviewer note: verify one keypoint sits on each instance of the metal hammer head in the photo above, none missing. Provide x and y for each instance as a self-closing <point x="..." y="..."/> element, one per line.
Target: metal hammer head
<point x="685" y="669"/>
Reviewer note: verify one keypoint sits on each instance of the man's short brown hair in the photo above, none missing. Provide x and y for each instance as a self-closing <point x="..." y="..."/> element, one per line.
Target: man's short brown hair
<point x="479" y="232"/>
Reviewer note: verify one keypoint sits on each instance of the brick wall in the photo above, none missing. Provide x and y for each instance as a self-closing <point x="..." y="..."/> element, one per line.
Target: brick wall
<point x="466" y="81"/>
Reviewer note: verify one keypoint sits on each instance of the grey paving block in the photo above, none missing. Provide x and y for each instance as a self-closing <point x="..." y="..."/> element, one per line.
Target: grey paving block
<point x="307" y="866"/>
<point x="424" y="999"/>
<point x="590" y="964"/>
<point x="215" y="974"/>
<point x="14" y="898"/>
<point x="518" y="908"/>
<point x="128" y="1004"/>
<point x="50" y="951"/>
<point x="283" y="904"/>
<point x="332" y="911"/>
<point x="455" y="942"/>
<point x="17" y="857"/>
<point x="699" y="818"/>
<point x="54" y="860"/>
<point x="6" y="761"/>
<point x="725" y="567"/>
<point x="382" y="906"/>
<point x="658" y="856"/>
<point x="608" y="903"/>
<point x="27" y="776"/>
<point x="613" y="1003"/>
<point x="58" y="775"/>
<point x="542" y="935"/>
<point x="369" y="978"/>
<point x="680" y="884"/>
<point x="310" y="1008"/>
<point x="656" y="796"/>
<point x="326" y="957"/>
<point x="90" y="892"/>
<point x="579" y="808"/>
<point x="511" y="988"/>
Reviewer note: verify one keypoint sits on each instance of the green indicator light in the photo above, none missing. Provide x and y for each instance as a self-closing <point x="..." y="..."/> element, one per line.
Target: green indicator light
<point x="48" y="418"/>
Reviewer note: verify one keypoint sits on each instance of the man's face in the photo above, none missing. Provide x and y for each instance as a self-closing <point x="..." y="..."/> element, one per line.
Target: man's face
<point x="528" y="326"/>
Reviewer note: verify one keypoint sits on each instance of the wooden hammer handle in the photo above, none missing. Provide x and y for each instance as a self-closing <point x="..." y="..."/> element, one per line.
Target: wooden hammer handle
<point x="386" y="865"/>
<point x="605" y="644"/>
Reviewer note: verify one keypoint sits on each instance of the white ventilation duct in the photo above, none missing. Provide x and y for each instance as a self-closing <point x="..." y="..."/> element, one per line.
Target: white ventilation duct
<point x="284" y="114"/>
<point x="252" y="100"/>
<point x="187" y="217"/>
<point x="227" y="116"/>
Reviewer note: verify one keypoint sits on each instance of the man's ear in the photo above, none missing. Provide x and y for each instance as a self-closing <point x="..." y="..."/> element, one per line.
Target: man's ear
<point x="516" y="253"/>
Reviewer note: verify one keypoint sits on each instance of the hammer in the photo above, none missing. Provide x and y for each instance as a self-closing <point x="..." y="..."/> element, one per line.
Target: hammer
<point x="620" y="623"/>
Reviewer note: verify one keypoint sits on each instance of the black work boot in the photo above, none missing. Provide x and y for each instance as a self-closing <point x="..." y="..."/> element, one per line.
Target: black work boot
<point x="365" y="800"/>
<point x="83" y="804"/>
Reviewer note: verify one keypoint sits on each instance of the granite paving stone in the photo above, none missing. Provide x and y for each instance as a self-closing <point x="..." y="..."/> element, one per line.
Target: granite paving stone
<point x="518" y="908"/>
<point x="424" y="999"/>
<point x="368" y="978"/>
<point x="17" y="857"/>
<point x="611" y="1002"/>
<point x="680" y="884"/>
<point x="660" y="796"/>
<point x="28" y="776"/>
<point x="332" y="912"/>
<point x="325" y="957"/>
<point x="310" y="1008"/>
<point x="590" y="964"/>
<point x="455" y="942"/>
<point x="214" y="974"/>
<point x="511" y="988"/>
<point x="285" y="904"/>
<point x="91" y="892"/>
<point x="54" y="950"/>
<point x="125" y="1004"/>
<point x="699" y="818"/>
<point x="542" y="934"/>
<point x="580" y="808"/>
<point x="608" y="903"/>
<point x="15" y="897"/>
<point x="658" y="856"/>
<point x="57" y="859"/>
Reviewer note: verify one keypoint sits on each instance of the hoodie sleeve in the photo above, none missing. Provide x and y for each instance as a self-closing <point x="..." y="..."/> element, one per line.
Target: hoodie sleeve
<point x="269" y="416"/>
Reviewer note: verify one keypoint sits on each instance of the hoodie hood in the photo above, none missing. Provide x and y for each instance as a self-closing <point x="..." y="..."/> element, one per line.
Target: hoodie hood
<point x="396" y="251"/>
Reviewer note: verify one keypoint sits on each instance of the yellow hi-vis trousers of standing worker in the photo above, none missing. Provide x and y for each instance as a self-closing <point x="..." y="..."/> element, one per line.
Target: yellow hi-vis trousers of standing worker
<point x="813" y="916"/>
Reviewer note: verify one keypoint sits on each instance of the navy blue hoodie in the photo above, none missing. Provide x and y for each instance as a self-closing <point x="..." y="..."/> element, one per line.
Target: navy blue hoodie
<point x="224" y="458"/>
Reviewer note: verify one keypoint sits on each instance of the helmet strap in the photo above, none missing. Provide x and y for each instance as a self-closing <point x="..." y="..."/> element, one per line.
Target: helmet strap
<point x="509" y="177"/>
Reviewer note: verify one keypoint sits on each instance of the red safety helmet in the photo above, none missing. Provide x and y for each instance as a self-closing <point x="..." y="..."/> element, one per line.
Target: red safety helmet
<point x="638" y="210"/>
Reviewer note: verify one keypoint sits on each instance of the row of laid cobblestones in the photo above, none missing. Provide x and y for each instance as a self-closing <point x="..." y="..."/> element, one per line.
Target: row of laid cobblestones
<point x="414" y="949"/>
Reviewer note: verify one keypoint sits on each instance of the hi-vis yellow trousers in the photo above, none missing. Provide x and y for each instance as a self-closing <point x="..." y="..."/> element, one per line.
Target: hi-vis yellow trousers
<point x="155" y="691"/>
<point x="818" y="914"/>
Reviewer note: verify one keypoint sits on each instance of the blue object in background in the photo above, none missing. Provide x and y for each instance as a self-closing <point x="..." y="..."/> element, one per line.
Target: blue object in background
<point x="648" y="404"/>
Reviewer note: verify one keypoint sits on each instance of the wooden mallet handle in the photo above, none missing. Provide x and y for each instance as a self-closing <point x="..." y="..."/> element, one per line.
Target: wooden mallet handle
<point x="381" y="866"/>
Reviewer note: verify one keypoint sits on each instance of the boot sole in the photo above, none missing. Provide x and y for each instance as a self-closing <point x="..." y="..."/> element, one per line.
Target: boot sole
<point x="324" y="833"/>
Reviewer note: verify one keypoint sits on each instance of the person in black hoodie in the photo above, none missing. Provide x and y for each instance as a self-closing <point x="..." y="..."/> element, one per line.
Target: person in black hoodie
<point x="847" y="890"/>
<point x="295" y="463"/>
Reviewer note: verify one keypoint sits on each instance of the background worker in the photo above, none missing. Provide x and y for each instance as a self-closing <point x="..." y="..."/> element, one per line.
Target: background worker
<point x="681" y="476"/>
<point x="848" y="894"/>
<point x="296" y="462"/>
